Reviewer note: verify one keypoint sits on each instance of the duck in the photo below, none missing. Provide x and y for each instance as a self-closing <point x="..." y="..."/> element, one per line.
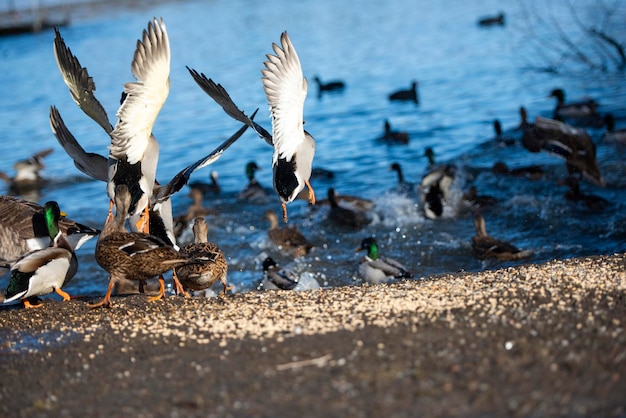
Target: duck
<point x="213" y="187"/>
<point x="582" y="113"/>
<point x="27" y="176"/>
<point x="502" y="138"/>
<point x="497" y="20"/>
<point x="476" y="200"/>
<point x="409" y="95"/>
<point x="253" y="191"/>
<point x="404" y="187"/>
<point x="43" y="271"/>
<point x="208" y="266"/>
<point x="330" y="86"/>
<point x="434" y="189"/>
<point x="531" y="172"/>
<point x="194" y="210"/>
<point x="277" y="277"/>
<point x="286" y="89"/>
<point x="575" y="195"/>
<point x="133" y="150"/>
<point x="612" y="135"/>
<point x="132" y="255"/>
<point x="392" y="137"/>
<point x="485" y="246"/>
<point x="376" y="269"/>
<point x="572" y="144"/>
<point x="344" y="216"/>
<point x="24" y="229"/>
<point x="356" y="203"/>
<point x="287" y="238"/>
<point x="322" y="173"/>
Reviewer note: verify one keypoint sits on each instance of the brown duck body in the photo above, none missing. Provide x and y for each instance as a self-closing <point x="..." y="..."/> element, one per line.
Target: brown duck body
<point x="208" y="265"/>
<point x="485" y="246"/>
<point x="288" y="238"/>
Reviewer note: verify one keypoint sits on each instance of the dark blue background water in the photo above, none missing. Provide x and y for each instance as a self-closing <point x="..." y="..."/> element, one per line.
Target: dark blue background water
<point x="468" y="77"/>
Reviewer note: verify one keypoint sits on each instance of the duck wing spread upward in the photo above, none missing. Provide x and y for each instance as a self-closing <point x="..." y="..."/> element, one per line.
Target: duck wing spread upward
<point x="145" y="97"/>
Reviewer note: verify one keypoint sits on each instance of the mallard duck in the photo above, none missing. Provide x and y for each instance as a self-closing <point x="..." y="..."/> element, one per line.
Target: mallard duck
<point x="132" y="255"/>
<point x="277" y="277"/>
<point x="403" y="187"/>
<point x="287" y="238"/>
<point x="409" y="95"/>
<point x="486" y="246"/>
<point x="565" y="141"/>
<point x="502" y="138"/>
<point x="582" y="113"/>
<point x="356" y="203"/>
<point x="343" y="216"/>
<point x="376" y="269"/>
<point x="213" y="187"/>
<point x="394" y="137"/>
<point x="531" y="172"/>
<point x="285" y="88"/>
<point x="43" y="271"/>
<point x="331" y="86"/>
<point x="574" y="194"/>
<point x="435" y="186"/>
<point x="27" y="174"/>
<point x="23" y="229"/>
<point x="476" y="200"/>
<point x="197" y="208"/>
<point x="612" y="135"/>
<point x="253" y="191"/>
<point x="492" y="20"/>
<point x="208" y="265"/>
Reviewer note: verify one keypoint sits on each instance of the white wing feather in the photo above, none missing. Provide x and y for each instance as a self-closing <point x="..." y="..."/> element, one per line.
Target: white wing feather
<point x="286" y="89"/>
<point x="145" y="97"/>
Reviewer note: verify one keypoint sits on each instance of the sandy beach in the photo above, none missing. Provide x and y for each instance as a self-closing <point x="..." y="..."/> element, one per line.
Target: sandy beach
<point x="534" y="340"/>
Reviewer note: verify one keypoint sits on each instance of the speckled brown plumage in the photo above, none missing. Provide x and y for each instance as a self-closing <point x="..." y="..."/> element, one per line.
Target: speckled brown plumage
<point x="486" y="246"/>
<point x="288" y="238"/>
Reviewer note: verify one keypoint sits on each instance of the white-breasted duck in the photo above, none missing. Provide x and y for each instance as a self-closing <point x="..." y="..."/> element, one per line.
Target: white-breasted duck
<point x="434" y="190"/>
<point x="285" y="88"/>
<point x="43" y="271"/>
<point x="277" y="277"/>
<point x="374" y="268"/>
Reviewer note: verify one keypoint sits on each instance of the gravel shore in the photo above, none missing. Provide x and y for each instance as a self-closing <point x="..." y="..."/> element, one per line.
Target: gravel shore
<point x="534" y="340"/>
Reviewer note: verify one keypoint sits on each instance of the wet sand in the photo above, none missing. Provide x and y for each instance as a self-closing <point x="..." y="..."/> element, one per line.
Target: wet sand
<point x="534" y="340"/>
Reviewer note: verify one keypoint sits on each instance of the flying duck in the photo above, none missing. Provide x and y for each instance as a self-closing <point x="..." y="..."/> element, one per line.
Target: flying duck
<point x="376" y="269"/>
<point x="486" y="246"/>
<point x="45" y="270"/>
<point x="409" y="95"/>
<point x="27" y="176"/>
<point x="565" y="141"/>
<point x="285" y="88"/>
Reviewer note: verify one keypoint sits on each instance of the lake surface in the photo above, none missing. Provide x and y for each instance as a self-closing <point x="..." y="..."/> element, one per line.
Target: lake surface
<point x="468" y="76"/>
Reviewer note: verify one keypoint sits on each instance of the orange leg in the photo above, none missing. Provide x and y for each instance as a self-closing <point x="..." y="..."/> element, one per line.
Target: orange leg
<point x="143" y="224"/>
<point x="29" y="305"/>
<point x="161" y="294"/>
<point x="61" y="293"/>
<point x="110" y="215"/>
<point x="106" y="301"/>
<point x="311" y="192"/>
<point x="227" y="287"/>
<point x="178" y="286"/>
<point x="284" y="206"/>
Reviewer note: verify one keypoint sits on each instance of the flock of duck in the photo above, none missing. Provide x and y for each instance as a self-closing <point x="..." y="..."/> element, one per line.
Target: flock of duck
<point x="39" y="242"/>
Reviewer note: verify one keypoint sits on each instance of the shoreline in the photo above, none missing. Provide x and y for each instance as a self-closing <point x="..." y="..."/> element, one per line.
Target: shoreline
<point x="543" y="340"/>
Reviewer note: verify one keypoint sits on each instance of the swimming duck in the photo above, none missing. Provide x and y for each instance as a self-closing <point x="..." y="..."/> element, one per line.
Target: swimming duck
<point x="486" y="246"/>
<point x="435" y="186"/>
<point x="565" y="141"/>
<point x="574" y="194"/>
<point x="27" y="174"/>
<point x="331" y="86"/>
<point x="213" y="187"/>
<point x="612" y="135"/>
<point x="492" y="20"/>
<point x="287" y="238"/>
<point x="376" y="269"/>
<point x="285" y="88"/>
<point x="403" y="187"/>
<point x="24" y="229"/>
<point x="344" y="216"/>
<point x="502" y="138"/>
<point x="582" y="113"/>
<point x="43" y="271"/>
<point x="472" y="197"/>
<point x="394" y="137"/>
<point x="132" y="255"/>
<point x="277" y="277"/>
<point x="253" y="191"/>
<point x="531" y="172"/>
<point x="406" y="95"/>
<point x="208" y="265"/>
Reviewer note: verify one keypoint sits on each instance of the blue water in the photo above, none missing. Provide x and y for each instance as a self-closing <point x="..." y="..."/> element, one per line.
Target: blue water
<point x="468" y="76"/>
